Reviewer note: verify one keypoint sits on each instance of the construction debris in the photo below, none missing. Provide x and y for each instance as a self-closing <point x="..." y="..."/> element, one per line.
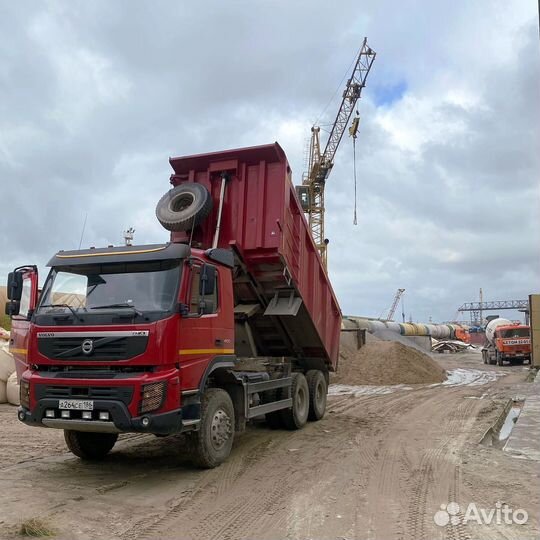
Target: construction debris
<point x="451" y="346"/>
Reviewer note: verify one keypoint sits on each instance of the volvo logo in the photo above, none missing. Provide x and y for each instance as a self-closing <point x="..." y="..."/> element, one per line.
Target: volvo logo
<point x="87" y="346"/>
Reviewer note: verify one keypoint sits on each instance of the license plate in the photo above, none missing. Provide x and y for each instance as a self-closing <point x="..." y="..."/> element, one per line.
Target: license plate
<point x="76" y="404"/>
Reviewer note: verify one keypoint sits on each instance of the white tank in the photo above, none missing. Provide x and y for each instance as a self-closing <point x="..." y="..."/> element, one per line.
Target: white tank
<point x="393" y="326"/>
<point x="493" y="325"/>
<point x="375" y="326"/>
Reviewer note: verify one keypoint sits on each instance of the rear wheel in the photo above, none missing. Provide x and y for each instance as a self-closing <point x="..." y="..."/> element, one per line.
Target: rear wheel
<point x="89" y="446"/>
<point x="317" y="394"/>
<point x="212" y="444"/>
<point x="296" y="417"/>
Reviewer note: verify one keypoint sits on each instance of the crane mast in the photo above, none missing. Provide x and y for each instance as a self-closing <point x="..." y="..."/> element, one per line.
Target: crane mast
<point x="390" y="316"/>
<point x="320" y="164"/>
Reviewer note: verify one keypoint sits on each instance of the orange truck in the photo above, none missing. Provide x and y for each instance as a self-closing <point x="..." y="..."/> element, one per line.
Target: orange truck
<point x="506" y="341"/>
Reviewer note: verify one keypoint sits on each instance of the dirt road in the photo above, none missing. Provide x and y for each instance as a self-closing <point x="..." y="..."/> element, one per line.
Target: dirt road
<point x="379" y="465"/>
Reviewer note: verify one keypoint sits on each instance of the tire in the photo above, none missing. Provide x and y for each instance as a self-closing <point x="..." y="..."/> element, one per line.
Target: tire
<point x="212" y="443"/>
<point x="296" y="417"/>
<point x="184" y="207"/>
<point x="498" y="359"/>
<point x="484" y="357"/>
<point x="317" y="394"/>
<point x="89" y="446"/>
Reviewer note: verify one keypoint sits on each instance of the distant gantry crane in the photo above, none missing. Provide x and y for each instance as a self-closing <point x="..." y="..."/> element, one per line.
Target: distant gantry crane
<point x="476" y="308"/>
<point x="390" y="316"/>
<point x="311" y="192"/>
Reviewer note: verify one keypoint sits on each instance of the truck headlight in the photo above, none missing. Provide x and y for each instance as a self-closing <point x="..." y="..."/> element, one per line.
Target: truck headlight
<point x="24" y="393"/>
<point x="152" y="396"/>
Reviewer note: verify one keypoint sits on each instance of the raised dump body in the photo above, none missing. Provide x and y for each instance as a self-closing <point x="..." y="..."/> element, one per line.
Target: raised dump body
<point x="278" y="264"/>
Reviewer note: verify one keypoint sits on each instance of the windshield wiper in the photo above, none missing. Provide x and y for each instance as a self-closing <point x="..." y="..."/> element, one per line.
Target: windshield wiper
<point x="64" y="306"/>
<point x="119" y="305"/>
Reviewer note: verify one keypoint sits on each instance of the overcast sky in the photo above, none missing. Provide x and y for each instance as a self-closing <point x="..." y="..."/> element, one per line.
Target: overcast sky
<point x="95" y="96"/>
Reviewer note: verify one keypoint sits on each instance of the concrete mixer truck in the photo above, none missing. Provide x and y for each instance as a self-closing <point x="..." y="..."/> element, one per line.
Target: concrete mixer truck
<point x="506" y="341"/>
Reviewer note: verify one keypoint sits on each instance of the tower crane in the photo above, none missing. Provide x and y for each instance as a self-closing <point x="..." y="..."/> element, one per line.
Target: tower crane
<point x="311" y="192"/>
<point x="390" y="316"/>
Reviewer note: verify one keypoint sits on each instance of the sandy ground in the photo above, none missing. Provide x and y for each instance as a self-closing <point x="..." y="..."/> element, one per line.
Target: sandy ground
<point x="378" y="466"/>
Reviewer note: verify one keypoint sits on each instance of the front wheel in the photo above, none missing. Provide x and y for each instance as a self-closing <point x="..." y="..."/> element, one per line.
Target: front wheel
<point x="89" y="446"/>
<point x="212" y="443"/>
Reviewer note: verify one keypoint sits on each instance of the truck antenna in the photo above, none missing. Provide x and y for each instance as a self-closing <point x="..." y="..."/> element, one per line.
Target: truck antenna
<point x="83" y="228"/>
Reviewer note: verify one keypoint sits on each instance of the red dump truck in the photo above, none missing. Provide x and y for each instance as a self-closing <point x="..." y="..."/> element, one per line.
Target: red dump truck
<point x="233" y="319"/>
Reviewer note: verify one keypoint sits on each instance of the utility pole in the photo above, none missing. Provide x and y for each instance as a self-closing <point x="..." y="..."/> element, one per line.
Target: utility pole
<point x="481" y="300"/>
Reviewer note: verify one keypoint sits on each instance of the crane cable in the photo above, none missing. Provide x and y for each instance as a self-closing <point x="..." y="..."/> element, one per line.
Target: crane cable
<point x="354" y="174"/>
<point x="339" y="86"/>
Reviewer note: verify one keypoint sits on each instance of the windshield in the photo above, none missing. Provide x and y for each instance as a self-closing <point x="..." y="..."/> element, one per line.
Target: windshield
<point x="515" y="333"/>
<point x="148" y="286"/>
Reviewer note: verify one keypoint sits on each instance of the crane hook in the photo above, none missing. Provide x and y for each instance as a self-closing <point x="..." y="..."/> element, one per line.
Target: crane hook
<point x="353" y="129"/>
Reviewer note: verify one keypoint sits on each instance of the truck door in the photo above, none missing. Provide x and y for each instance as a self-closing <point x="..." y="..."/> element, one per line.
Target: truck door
<point x="206" y="333"/>
<point x="22" y="291"/>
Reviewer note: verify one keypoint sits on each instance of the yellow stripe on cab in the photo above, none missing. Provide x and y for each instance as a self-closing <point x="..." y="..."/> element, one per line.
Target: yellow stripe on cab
<point x="205" y="351"/>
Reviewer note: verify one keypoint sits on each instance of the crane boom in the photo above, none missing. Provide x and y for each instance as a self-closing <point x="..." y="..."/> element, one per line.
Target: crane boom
<point x="311" y="193"/>
<point x="390" y="316"/>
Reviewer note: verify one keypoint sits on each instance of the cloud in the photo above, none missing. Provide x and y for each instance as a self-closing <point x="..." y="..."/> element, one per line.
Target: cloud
<point x="96" y="96"/>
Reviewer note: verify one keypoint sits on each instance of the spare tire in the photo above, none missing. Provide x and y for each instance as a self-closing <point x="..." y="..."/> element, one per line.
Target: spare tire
<point x="184" y="207"/>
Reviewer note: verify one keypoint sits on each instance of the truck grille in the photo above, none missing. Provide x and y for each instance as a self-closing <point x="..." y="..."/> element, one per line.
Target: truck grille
<point x="116" y="393"/>
<point x="92" y="348"/>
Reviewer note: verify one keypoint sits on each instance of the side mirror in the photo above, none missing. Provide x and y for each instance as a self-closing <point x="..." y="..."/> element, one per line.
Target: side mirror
<point x="14" y="285"/>
<point x="13" y="307"/>
<point x="207" y="284"/>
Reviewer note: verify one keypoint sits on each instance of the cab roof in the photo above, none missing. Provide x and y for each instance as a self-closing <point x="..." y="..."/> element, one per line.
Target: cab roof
<point x="510" y="326"/>
<point x="116" y="254"/>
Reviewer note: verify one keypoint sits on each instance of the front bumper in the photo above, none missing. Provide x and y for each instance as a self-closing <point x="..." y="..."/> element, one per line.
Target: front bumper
<point x="121" y="422"/>
<point x="121" y="397"/>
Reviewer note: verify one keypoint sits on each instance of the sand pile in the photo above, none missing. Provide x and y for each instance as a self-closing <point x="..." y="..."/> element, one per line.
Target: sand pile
<point x="386" y="362"/>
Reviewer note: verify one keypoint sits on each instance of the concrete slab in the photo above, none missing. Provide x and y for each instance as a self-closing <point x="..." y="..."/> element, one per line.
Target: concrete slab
<point x="524" y="441"/>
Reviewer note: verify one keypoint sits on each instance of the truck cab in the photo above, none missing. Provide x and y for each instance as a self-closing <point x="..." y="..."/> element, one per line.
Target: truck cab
<point x="123" y="319"/>
<point x="513" y="343"/>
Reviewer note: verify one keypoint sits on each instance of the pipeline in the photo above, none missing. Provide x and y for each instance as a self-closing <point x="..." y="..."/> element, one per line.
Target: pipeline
<point x="437" y="331"/>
